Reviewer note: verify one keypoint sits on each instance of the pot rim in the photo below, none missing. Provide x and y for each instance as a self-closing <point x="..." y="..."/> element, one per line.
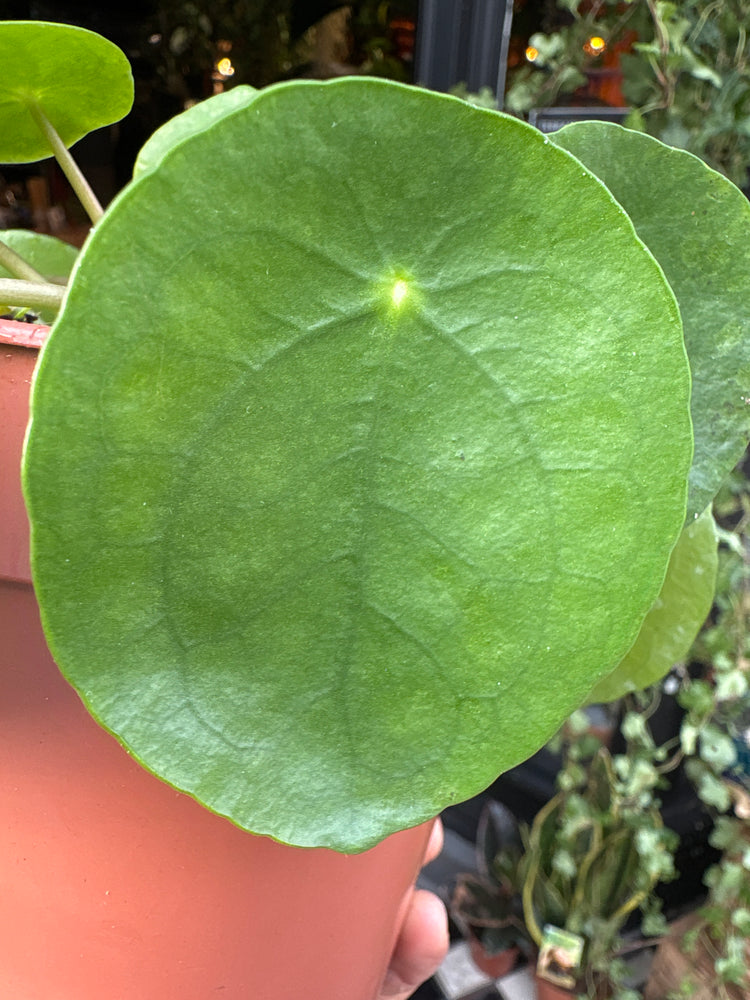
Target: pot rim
<point x="18" y="334"/>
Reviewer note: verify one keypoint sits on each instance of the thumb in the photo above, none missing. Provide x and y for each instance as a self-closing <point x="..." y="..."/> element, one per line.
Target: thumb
<point x="421" y="947"/>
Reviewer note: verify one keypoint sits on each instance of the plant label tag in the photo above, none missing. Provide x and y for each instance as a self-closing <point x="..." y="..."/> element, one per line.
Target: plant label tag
<point x="560" y="956"/>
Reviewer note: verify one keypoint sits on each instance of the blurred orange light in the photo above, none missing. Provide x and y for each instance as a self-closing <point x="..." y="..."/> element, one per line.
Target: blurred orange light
<point x="595" y="45"/>
<point x="531" y="53"/>
<point x="225" y="67"/>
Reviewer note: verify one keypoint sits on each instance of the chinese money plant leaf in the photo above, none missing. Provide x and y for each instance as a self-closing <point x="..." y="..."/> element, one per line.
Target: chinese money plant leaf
<point x="356" y="459"/>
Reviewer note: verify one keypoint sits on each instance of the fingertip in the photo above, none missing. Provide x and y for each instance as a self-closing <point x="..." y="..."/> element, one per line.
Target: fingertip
<point x="427" y="920"/>
<point x="435" y="843"/>
<point x="421" y="947"/>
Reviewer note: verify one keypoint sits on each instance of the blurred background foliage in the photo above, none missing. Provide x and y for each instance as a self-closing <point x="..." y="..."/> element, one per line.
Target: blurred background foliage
<point x="682" y="68"/>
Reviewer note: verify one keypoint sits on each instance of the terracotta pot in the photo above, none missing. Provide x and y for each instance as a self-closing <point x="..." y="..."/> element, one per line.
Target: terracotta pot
<point x="115" y="885"/>
<point x="494" y="965"/>
<point x="672" y="966"/>
<point x="546" y="990"/>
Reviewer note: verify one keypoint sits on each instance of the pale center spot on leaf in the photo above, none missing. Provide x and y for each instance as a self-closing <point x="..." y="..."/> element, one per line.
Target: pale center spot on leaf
<point x="399" y="292"/>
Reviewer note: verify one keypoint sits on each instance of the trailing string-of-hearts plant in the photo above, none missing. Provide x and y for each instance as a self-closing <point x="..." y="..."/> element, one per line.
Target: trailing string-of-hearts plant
<point x="361" y="444"/>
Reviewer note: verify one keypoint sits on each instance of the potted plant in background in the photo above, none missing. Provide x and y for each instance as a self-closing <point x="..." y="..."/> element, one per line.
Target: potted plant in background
<point x="682" y="69"/>
<point x="594" y="856"/>
<point x="310" y="444"/>
<point x="579" y="61"/>
<point x="706" y="952"/>
<point x="486" y="904"/>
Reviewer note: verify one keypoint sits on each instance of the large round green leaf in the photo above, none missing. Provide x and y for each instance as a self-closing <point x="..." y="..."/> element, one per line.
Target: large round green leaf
<point x="697" y="225"/>
<point x="79" y="80"/>
<point x="676" y="617"/>
<point x="195" y="119"/>
<point x="50" y="256"/>
<point x="355" y="460"/>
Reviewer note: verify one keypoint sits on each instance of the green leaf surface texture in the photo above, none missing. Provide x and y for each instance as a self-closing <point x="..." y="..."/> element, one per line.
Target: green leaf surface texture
<point x="697" y="225"/>
<point x="78" y="79"/>
<point x="355" y="460"/>
<point x="50" y="256"/>
<point x="195" y="119"/>
<point x="670" y="627"/>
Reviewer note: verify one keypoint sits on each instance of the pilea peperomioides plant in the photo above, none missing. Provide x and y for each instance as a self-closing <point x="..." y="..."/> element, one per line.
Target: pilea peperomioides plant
<point x="361" y="443"/>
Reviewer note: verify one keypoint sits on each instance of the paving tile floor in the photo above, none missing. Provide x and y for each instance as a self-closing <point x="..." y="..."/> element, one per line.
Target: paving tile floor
<point x="459" y="979"/>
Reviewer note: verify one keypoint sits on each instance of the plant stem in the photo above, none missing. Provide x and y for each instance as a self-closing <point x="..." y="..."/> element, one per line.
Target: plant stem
<point x="740" y="50"/>
<point x="69" y="166"/>
<point x="15" y="263"/>
<point x="527" y="891"/>
<point x="708" y="12"/>
<point x="30" y="293"/>
<point x="584" y="867"/>
<point x="666" y="82"/>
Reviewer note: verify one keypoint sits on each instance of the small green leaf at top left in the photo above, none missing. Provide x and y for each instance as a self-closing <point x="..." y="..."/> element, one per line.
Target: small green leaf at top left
<point x="77" y="79"/>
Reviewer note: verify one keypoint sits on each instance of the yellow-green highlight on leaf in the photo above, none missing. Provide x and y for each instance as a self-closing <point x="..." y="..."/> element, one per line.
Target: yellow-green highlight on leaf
<point x="674" y="621"/>
<point x="400" y="291"/>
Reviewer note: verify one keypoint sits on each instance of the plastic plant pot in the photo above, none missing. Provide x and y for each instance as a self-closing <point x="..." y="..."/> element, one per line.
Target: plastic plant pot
<point x="113" y="882"/>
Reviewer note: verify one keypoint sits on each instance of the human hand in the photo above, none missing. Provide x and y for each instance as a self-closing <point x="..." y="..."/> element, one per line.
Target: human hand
<point x="423" y="941"/>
